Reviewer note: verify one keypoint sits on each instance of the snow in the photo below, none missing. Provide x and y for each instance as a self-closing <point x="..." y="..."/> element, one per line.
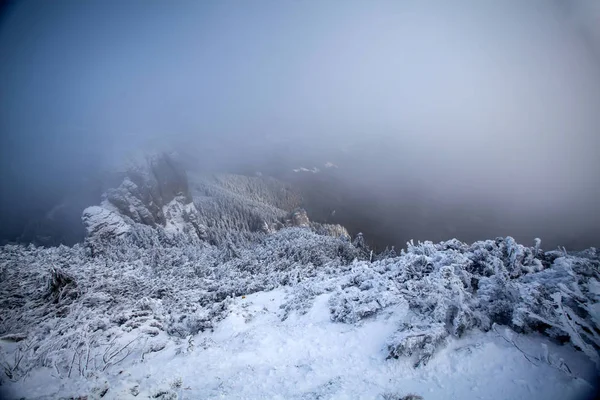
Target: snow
<point x="296" y="315"/>
<point x="102" y="222"/>
<point x="253" y="354"/>
<point x="175" y="215"/>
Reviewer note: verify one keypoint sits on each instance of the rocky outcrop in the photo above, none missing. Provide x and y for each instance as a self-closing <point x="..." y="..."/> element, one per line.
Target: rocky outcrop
<point x="334" y="230"/>
<point x="148" y="189"/>
<point x="299" y="218"/>
<point x="136" y="202"/>
<point x="102" y="223"/>
<point x="182" y="218"/>
<point x="147" y="192"/>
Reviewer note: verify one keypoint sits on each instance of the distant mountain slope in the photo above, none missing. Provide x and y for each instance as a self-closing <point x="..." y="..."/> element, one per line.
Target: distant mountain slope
<point x="217" y="208"/>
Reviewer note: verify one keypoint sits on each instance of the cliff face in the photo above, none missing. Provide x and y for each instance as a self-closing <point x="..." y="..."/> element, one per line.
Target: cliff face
<point x="154" y="193"/>
<point x="102" y="223"/>
<point x="148" y="189"/>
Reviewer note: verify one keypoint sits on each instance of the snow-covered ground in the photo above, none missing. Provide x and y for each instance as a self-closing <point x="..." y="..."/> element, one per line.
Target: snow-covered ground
<point x="254" y="354"/>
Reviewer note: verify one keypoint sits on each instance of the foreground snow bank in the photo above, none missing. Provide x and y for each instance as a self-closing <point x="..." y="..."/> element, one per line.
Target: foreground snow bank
<point x="73" y="319"/>
<point x="452" y="288"/>
<point x="253" y="354"/>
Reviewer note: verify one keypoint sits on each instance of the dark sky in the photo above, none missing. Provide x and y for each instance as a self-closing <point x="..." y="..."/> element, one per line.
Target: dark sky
<point x="467" y="104"/>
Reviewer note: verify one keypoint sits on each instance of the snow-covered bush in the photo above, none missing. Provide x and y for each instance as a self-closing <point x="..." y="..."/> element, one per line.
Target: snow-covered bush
<point x="361" y="294"/>
<point x="452" y="288"/>
<point x="418" y="340"/>
<point x="66" y="302"/>
<point x="84" y="308"/>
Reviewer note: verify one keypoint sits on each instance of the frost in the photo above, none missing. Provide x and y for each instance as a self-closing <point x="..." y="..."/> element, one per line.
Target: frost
<point x="452" y="288"/>
<point x="103" y="223"/>
<point x="86" y="309"/>
<point x="418" y="340"/>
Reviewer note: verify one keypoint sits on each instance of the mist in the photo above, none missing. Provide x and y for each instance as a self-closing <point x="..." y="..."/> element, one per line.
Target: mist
<point x="469" y="120"/>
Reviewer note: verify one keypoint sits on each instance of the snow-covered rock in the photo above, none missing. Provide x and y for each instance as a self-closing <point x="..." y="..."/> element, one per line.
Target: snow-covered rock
<point x="102" y="223"/>
<point x="182" y="218"/>
<point x="299" y="218"/>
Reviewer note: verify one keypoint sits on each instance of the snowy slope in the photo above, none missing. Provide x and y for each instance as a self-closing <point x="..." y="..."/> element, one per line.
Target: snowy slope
<point x="252" y="354"/>
<point x="296" y="314"/>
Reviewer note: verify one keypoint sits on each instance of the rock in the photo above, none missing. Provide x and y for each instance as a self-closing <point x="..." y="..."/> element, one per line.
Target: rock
<point x="143" y="197"/>
<point x="102" y="223"/>
<point x="147" y="189"/>
<point x="171" y="179"/>
<point x="182" y="218"/>
<point x="299" y="218"/>
<point x="334" y="230"/>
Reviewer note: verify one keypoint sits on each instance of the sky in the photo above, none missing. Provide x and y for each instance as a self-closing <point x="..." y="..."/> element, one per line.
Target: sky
<point x="467" y="104"/>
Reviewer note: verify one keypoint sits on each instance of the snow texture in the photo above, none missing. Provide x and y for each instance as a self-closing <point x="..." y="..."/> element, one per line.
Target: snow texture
<point x="74" y="316"/>
<point x="103" y="223"/>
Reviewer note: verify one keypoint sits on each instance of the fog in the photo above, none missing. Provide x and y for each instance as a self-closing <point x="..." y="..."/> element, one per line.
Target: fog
<point x="470" y="118"/>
